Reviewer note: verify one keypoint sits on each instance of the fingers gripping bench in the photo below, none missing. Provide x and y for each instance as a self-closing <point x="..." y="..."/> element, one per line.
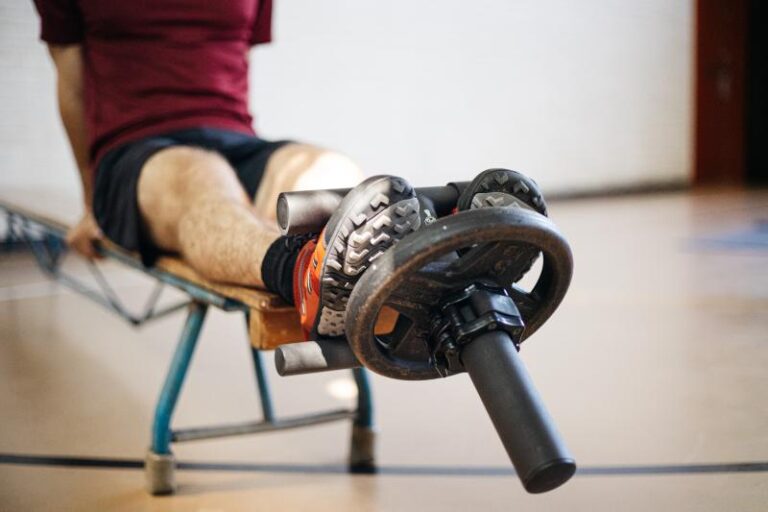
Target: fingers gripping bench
<point x="41" y="220"/>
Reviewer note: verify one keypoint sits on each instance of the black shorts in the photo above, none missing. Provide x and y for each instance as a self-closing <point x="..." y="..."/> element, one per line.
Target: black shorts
<point x="115" y="203"/>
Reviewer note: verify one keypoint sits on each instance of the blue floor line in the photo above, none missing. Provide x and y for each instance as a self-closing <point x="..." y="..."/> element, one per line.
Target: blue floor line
<point x="752" y="237"/>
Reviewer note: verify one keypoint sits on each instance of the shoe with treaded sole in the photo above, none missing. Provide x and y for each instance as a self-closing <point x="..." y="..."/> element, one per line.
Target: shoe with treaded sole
<point x="371" y="218"/>
<point x="503" y="188"/>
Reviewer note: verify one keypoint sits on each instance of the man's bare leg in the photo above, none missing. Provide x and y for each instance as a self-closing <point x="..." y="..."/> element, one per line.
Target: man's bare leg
<point x="193" y="204"/>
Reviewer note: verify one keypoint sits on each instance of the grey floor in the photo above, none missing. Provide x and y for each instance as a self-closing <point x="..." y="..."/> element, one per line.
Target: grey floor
<point x="655" y="368"/>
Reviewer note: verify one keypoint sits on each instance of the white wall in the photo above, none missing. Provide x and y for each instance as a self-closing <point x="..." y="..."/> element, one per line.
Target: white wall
<point x="581" y="95"/>
<point x="33" y="148"/>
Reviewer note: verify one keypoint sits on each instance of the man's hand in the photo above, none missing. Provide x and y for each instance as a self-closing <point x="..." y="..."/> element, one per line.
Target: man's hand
<point x="81" y="236"/>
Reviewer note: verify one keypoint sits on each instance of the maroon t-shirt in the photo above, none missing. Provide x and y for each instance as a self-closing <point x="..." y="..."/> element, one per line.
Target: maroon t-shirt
<point x="154" y="66"/>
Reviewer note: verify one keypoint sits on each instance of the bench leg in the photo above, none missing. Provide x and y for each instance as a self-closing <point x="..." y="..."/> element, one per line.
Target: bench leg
<point x="362" y="455"/>
<point x="267" y="410"/>
<point x="160" y="464"/>
<point x="262" y="383"/>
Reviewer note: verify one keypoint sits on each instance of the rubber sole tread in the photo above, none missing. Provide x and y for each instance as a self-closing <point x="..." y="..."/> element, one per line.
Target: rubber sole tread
<point x="380" y="214"/>
<point x="506" y="188"/>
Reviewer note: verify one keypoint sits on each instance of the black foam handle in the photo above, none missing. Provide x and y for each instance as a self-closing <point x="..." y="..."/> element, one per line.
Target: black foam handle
<point x="528" y="433"/>
<point x="309" y="210"/>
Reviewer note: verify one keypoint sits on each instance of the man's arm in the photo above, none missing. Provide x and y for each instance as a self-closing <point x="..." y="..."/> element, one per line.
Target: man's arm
<point x="69" y="90"/>
<point x="68" y="60"/>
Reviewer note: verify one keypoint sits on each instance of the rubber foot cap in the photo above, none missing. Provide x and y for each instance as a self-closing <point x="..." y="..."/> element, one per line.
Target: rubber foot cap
<point x="159" y="471"/>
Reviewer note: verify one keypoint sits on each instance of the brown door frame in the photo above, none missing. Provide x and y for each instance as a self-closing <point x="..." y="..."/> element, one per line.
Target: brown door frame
<point x="720" y="64"/>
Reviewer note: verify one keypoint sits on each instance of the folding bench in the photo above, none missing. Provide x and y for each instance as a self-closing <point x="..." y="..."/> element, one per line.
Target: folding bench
<point x="41" y="220"/>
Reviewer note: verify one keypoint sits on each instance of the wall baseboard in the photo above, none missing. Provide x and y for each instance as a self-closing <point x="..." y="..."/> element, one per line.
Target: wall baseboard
<point x="665" y="187"/>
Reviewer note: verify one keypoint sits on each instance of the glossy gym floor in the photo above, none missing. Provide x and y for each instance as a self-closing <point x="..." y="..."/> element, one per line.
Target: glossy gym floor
<point x="654" y="368"/>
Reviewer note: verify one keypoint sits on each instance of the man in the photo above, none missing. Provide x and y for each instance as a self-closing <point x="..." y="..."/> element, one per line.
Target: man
<point x="153" y="96"/>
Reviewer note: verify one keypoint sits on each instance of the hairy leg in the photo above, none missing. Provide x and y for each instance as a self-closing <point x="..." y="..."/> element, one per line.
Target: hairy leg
<point x="303" y="167"/>
<point x="193" y="203"/>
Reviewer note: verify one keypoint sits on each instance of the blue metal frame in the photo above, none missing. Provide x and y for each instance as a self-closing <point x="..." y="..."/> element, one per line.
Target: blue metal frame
<point x="364" y="417"/>
<point x="46" y="241"/>
<point x="169" y="396"/>
<point x="267" y="409"/>
<point x="49" y="249"/>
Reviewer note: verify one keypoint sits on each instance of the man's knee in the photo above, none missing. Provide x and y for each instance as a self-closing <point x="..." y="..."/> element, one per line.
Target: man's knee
<point x="304" y="167"/>
<point x="329" y="169"/>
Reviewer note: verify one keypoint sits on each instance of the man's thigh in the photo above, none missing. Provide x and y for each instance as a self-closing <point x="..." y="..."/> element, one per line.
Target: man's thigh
<point x="178" y="178"/>
<point x="296" y="166"/>
<point x="158" y="182"/>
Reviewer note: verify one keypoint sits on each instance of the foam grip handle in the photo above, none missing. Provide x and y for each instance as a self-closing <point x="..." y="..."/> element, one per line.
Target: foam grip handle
<point x="528" y="433"/>
<point x="314" y="356"/>
<point x="309" y="210"/>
